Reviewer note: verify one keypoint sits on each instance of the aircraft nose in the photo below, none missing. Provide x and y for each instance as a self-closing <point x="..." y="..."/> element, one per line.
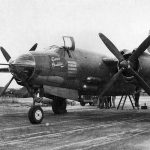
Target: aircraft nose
<point x="23" y="67"/>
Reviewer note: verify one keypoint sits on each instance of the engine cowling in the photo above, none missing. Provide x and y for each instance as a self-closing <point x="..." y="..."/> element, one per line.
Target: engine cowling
<point x="127" y="75"/>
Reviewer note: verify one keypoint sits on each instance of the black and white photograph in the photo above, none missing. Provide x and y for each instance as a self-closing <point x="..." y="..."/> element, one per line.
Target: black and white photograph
<point x="74" y="75"/>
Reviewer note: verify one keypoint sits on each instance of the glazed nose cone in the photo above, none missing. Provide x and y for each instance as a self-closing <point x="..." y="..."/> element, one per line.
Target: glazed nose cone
<point x="23" y="67"/>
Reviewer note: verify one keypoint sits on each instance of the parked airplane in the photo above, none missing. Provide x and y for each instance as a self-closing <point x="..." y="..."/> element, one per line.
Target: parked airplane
<point x="65" y="72"/>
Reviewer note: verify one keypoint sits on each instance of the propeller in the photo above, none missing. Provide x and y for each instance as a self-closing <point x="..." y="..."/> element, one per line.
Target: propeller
<point x="142" y="47"/>
<point x="126" y="65"/>
<point x="111" y="47"/>
<point x="143" y="84"/>
<point x="6" y="55"/>
<point x="4" y="64"/>
<point x="6" y="86"/>
<point x="33" y="47"/>
<point x="4" y="70"/>
<point x="112" y="81"/>
<point x="11" y="66"/>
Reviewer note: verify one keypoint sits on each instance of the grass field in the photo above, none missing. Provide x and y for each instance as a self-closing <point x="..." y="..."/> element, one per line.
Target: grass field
<point x="28" y="101"/>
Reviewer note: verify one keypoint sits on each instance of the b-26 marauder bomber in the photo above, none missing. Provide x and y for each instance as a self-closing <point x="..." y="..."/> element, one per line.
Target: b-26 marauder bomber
<point x="66" y="72"/>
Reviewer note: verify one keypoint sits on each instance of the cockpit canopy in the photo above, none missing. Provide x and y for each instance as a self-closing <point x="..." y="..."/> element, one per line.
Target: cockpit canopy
<point x="69" y="44"/>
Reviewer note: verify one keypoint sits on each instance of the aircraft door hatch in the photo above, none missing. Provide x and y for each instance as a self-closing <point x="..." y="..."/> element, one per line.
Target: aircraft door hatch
<point x="69" y="43"/>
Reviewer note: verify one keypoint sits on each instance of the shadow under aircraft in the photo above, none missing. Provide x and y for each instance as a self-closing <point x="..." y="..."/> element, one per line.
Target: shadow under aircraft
<point x="66" y="72"/>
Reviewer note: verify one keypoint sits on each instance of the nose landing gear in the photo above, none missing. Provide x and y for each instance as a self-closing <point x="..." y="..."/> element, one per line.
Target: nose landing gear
<point x="35" y="114"/>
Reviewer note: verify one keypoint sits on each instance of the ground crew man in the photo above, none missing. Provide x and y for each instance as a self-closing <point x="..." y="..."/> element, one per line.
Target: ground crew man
<point x="113" y="101"/>
<point x="137" y="96"/>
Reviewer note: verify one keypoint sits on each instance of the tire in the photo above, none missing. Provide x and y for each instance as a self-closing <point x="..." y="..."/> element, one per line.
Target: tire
<point x="35" y="115"/>
<point x="59" y="106"/>
<point x="91" y="104"/>
<point x="82" y="103"/>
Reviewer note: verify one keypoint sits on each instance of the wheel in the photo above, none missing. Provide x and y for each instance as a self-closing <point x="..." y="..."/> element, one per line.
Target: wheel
<point x="35" y="114"/>
<point x="59" y="106"/>
<point x="82" y="103"/>
<point x="91" y="104"/>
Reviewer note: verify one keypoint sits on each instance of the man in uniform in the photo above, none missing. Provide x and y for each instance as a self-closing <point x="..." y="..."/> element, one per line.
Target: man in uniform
<point x="137" y="96"/>
<point x="113" y="101"/>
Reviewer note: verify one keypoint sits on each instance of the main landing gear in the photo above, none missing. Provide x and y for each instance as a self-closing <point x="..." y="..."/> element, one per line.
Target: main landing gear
<point x="36" y="113"/>
<point x="59" y="105"/>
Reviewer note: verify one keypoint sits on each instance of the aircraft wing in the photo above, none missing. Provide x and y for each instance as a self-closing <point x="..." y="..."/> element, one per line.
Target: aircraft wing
<point x="58" y="91"/>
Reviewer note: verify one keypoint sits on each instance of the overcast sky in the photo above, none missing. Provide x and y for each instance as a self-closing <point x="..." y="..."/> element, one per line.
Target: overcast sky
<point x="25" y="22"/>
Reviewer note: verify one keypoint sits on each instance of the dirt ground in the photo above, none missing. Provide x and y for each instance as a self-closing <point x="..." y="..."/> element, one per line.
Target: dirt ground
<point x="82" y="128"/>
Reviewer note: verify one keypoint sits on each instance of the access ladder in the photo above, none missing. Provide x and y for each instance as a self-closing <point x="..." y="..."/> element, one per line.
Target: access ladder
<point x="123" y="100"/>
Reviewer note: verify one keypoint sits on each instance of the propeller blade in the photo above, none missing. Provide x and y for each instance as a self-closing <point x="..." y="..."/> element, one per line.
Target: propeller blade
<point x="143" y="84"/>
<point x="6" y="55"/>
<point x="111" y="82"/>
<point x="111" y="47"/>
<point x="4" y="70"/>
<point x="33" y="47"/>
<point x="4" y="64"/>
<point x="6" y="86"/>
<point x="142" y="47"/>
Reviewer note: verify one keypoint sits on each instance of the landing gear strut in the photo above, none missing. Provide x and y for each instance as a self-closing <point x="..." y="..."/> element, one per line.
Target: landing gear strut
<point x="35" y="113"/>
<point x="59" y="105"/>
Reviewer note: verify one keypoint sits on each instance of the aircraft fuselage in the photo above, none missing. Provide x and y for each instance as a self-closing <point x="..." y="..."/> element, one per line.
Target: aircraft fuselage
<point x="83" y="71"/>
